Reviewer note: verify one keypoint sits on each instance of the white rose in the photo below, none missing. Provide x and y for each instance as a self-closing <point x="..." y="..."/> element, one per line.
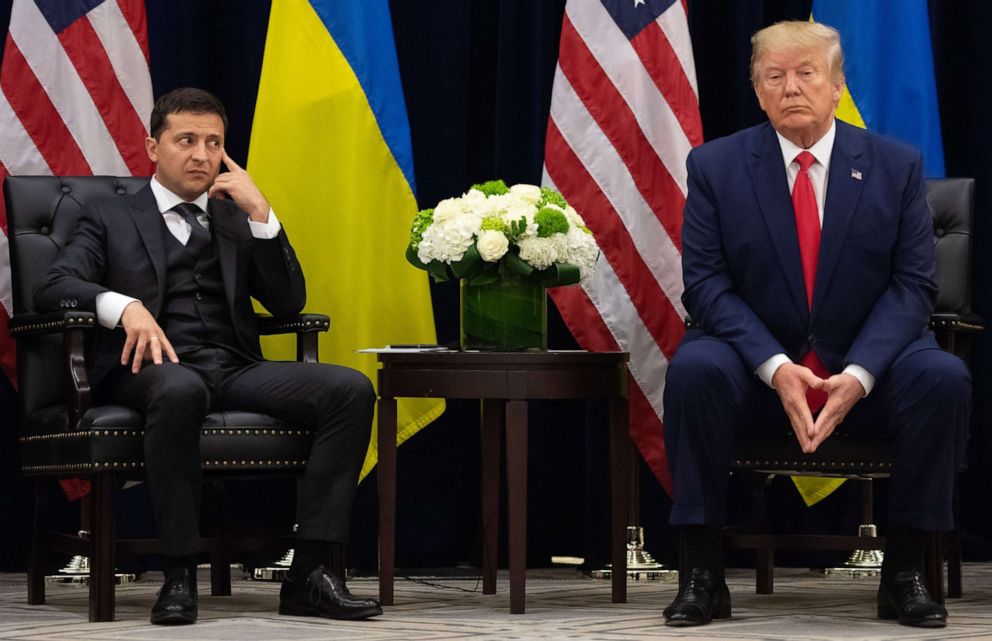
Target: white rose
<point x="492" y="245"/>
<point x="528" y="193"/>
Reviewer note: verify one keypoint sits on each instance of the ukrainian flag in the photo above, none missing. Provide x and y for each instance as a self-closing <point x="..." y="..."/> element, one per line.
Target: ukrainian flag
<point x="330" y="148"/>
<point x="891" y="89"/>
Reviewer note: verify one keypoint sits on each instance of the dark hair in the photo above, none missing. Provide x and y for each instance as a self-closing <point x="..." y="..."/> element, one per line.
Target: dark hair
<point x="185" y="99"/>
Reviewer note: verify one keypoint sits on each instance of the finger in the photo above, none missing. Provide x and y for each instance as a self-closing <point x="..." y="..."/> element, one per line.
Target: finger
<point x="168" y="350"/>
<point x="216" y="189"/>
<point x="156" y="351"/>
<point x="229" y="162"/>
<point x="139" y="353"/>
<point x="126" y="352"/>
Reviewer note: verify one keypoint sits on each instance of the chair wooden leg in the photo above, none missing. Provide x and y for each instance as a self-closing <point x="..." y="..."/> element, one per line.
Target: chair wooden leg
<point x="954" y="589"/>
<point x="220" y="557"/>
<point x="102" y="537"/>
<point x="36" y="553"/>
<point x="493" y="417"/>
<point x="765" y="571"/>
<point x="933" y="564"/>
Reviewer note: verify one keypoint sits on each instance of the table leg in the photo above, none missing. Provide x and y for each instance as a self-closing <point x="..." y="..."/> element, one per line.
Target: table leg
<point x="621" y="471"/>
<point x="387" y="498"/>
<point x="516" y="496"/>
<point x="493" y="416"/>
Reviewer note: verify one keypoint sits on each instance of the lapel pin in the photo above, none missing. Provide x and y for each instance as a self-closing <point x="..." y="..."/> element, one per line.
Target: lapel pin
<point x="855" y="174"/>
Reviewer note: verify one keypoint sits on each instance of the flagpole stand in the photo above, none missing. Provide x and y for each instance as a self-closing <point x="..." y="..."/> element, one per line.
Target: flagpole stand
<point x="862" y="564"/>
<point x="77" y="571"/>
<point x="277" y="571"/>
<point x="641" y="566"/>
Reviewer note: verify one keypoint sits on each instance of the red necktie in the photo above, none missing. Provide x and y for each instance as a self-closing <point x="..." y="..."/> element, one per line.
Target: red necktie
<point x="808" y="228"/>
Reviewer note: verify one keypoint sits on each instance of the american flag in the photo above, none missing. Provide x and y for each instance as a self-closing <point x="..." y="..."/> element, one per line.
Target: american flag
<point x="624" y="115"/>
<point x="75" y="98"/>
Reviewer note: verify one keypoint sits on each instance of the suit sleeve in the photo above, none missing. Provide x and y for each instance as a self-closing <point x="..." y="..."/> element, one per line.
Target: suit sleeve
<point x="709" y="294"/>
<point x="903" y="310"/>
<point x="73" y="279"/>
<point x="276" y="279"/>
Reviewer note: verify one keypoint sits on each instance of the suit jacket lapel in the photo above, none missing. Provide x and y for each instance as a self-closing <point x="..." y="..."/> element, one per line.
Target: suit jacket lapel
<point x="848" y="173"/>
<point x="147" y="218"/>
<point x="221" y="221"/>
<point x="771" y="185"/>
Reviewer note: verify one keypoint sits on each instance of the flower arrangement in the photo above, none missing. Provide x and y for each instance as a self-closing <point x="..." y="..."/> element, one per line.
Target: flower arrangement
<point x="493" y="231"/>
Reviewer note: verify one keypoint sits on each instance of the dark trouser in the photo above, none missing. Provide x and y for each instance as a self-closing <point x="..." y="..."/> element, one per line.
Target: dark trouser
<point x="336" y="402"/>
<point x="921" y="406"/>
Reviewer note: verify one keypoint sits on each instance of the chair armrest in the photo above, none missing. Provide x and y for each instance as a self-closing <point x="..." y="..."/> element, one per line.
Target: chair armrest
<point x="305" y="326"/>
<point x="957" y="322"/>
<point x="73" y="325"/>
<point x="305" y="323"/>
<point x="24" y="325"/>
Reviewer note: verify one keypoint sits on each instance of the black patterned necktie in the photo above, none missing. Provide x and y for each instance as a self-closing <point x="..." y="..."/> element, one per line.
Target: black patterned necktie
<point x="199" y="237"/>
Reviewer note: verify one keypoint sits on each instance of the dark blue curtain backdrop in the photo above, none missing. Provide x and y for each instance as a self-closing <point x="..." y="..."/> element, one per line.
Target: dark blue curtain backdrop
<point x="477" y="78"/>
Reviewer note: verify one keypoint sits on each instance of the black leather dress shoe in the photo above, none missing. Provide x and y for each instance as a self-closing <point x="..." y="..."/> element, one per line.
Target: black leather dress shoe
<point x="903" y="596"/>
<point x="324" y="595"/>
<point x="702" y="597"/>
<point x="176" y="604"/>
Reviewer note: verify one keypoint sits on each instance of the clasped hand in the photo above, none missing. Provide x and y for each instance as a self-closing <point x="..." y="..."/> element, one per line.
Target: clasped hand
<point x="145" y="339"/>
<point x="791" y="382"/>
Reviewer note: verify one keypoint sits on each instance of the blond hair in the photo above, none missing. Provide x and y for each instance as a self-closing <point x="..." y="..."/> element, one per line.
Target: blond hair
<point x="799" y="34"/>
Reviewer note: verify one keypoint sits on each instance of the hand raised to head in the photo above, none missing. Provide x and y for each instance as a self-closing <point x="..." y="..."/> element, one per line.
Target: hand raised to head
<point x="237" y="184"/>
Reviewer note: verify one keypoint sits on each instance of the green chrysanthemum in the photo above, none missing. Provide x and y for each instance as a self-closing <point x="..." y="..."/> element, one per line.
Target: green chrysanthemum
<point x="550" y="221"/>
<point x="551" y="197"/>
<point x="492" y="187"/>
<point x="421" y="222"/>
<point x="494" y="223"/>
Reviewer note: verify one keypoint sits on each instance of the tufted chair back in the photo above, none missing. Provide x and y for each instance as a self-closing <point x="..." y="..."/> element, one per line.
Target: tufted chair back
<point x="42" y="214"/>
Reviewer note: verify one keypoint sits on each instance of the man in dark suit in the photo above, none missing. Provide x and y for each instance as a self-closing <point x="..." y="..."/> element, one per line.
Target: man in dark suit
<point x="169" y="273"/>
<point x="821" y="299"/>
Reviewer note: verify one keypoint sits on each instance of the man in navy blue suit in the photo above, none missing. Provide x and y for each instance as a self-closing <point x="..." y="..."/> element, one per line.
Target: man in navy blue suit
<point x="808" y="263"/>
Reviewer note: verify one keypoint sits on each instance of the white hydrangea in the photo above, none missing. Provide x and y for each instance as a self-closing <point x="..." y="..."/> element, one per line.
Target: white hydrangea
<point x="582" y="251"/>
<point x="492" y="245"/>
<point x="541" y="253"/>
<point x="448" y="241"/>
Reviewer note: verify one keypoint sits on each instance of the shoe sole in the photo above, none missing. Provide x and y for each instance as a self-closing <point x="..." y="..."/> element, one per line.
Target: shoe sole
<point x="350" y="615"/>
<point x="173" y="618"/>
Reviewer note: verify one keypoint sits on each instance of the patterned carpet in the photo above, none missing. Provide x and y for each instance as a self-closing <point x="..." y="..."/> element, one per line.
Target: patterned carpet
<point x="560" y="605"/>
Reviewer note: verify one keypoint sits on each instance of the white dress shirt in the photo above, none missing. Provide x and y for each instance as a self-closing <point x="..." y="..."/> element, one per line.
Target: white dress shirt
<point x="110" y="305"/>
<point x="818" y="174"/>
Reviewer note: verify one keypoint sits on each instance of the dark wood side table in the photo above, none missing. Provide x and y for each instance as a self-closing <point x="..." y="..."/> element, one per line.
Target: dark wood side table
<point x="504" y="382"/>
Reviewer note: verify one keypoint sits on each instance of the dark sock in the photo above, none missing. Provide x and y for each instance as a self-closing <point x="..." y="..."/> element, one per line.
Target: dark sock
<point x="703" y="548"/>
<point x="170" y="563"/>
<point x="308" y="555"/>
<point x="904" y="548"/>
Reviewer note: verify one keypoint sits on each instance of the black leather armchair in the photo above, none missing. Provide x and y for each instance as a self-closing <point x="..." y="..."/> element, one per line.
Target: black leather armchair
<point x="64" y="435"/>
<point x="952" y="203"/>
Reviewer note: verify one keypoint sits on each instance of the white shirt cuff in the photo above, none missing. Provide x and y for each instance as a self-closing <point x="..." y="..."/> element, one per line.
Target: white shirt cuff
<point x="265" y="231"/>
<point x="867" y="380"/>
<point x="110" y="307"/>
<point x="767" y="369"/>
